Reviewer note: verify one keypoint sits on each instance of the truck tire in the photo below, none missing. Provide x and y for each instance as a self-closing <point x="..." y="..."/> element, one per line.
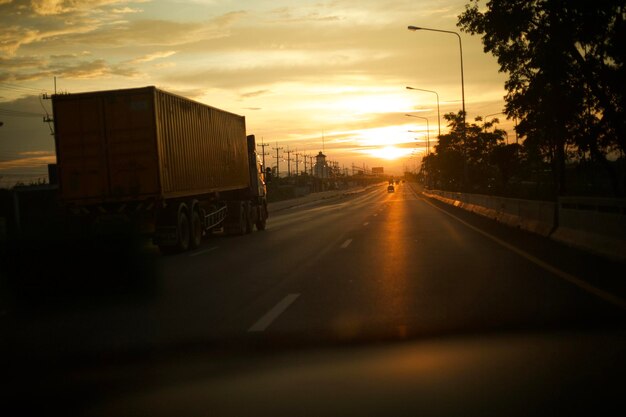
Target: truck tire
<point x="183" y="231"/>
<point x="262" y="220"/>
<point x="196" y="230"/>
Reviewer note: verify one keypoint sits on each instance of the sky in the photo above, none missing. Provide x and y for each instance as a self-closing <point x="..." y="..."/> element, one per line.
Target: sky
<point x="307" y="75"/>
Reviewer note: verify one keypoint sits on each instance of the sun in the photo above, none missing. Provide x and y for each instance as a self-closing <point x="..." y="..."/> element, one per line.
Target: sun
<point x="389" y="152"/>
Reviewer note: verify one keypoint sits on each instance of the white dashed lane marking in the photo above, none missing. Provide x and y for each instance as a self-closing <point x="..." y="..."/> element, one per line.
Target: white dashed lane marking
<point x="269" y="317"/>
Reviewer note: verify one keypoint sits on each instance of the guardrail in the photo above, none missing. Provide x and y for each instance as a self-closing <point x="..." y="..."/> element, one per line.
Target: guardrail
<point x="593" y="224"/>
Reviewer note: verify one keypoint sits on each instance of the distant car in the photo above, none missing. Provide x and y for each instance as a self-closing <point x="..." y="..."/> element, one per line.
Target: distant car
<point x="391" y="189"/>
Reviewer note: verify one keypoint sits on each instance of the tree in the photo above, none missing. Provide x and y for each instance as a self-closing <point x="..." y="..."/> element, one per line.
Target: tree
<point x="454" y="156"/>
<point x="565" y="62"/>
<point x="507" y="159"/>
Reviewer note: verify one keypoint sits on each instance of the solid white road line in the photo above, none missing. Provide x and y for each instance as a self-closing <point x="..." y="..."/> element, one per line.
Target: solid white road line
<point x="203" y="251"/>
<point x="366" y="223"/>
<point x="264" y="322"/>
<point x="346" y="244"/>
<point x="606" y="296"/>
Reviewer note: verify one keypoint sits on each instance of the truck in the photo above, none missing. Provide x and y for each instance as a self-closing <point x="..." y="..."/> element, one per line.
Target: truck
<point x="169" y="166"/>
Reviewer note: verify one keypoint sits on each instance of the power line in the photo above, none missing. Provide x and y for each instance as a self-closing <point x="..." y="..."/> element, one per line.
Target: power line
<point x="14" y="87"/>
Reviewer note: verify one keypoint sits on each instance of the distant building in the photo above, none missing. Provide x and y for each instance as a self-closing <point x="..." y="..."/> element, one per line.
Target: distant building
<point x="378" y="170"/>
<point x="321" y="169"/>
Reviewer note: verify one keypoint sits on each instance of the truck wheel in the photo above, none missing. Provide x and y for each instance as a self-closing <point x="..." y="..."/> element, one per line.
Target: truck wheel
<point x="183" y="231"/>
<point x="240" y="228"/>
<point x="262" y="220"/>
<point x="196" y="230"/>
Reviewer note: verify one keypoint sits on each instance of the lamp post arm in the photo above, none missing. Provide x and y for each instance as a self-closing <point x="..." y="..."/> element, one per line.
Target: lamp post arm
<point x="464" y="133"/>
<point x="461" y="51"/>
<point x="438" y="112"/>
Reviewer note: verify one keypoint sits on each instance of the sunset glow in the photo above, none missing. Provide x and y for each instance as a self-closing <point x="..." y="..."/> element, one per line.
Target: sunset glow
<point x="306" y="75"/>
<point x="389" y="152"/>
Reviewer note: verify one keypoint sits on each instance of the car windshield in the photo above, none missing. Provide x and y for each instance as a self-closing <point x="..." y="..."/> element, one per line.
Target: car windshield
<point x="270" y="178"/>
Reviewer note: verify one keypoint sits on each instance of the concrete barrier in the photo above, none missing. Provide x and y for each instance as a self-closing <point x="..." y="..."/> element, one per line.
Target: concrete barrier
<point x="596" y="225"/>
<point x="534" y="216"/>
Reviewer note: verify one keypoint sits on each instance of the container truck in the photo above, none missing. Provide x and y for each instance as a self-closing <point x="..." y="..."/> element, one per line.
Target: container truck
<point x="170" y="166"/>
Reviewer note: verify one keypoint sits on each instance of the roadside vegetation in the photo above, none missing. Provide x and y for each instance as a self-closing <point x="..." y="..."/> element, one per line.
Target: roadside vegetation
<point x="565" y="87"/>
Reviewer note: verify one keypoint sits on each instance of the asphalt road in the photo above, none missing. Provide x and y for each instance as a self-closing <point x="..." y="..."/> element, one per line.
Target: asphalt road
<point x="366" y="265"/>
<point x="372" y="301"/>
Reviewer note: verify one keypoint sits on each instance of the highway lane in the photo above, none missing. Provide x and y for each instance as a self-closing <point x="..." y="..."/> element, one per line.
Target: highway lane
<point x="209" y="294"/>
<point x="412" y="269"/>
<point x="309" y="312"/>
<point x="368" y="265"/>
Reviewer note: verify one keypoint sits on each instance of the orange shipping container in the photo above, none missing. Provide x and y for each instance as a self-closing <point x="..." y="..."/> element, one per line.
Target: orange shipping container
<point x="143" y="143"/>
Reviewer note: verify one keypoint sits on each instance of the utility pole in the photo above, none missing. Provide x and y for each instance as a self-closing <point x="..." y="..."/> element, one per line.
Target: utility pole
<point x="277" y="149"/>
<point x="288" y="152"/>
<point x="305" y="156"/>
<point x="297" y="162"/>
<point x="311" y="164"/>
<point x="263" y="153"/>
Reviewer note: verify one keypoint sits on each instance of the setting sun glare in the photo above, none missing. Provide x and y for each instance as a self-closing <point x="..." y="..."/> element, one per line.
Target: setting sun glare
<point x="307" y="76"/>
<point x="389" y="152"/>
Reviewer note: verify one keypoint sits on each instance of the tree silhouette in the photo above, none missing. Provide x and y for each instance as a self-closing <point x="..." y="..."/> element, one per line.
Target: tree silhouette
<point x="565" y="62"/>
<point x="446" y="166"/>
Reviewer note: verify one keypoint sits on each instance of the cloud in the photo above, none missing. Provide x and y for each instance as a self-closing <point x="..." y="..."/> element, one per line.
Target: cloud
<point x="70" y="56"/>
<point x="28" y="162"/>
<point x="307" y="66"/>
<point x="22" y="62"/>
<point x="36" y="153"/>
<point x="57" y="7"/>
<point x="152" y="57"/>
<point x="68" y="23"/>
<point x="75" y="70"/>
<point x="295" y="15"/>
<point x="14" y="36"/>
<point x="254" y="93"/>
<point x="228" y="18"/>
<point x="126" y="10"/>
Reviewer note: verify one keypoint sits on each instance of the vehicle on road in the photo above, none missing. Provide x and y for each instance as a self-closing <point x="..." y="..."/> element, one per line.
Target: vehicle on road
<point x="172" y="167"/>
<point x="391" y="189"/>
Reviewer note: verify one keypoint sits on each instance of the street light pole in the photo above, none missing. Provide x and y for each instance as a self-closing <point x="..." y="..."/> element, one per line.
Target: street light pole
<point x="427" y="131"/>
<point x="485" y="119"/>
<point x="415" y="28"/>
<point x="438" y="114"/>
<point x="485" y="127"/>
